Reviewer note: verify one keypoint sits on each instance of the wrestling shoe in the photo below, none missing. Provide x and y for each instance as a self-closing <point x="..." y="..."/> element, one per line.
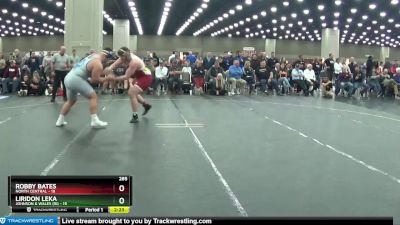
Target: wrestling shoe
<point x="135" y="118"/>
<point x="147" y="108"/>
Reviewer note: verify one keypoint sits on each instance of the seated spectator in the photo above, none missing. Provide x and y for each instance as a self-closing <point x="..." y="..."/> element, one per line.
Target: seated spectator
<point x="298" y="79"/>
<point x="235" y="77"/>
<point x="262" y="75"/>
<point x="121" y="87"/>
<point x="389" y="84"/>
<point x="373" y="82"/>
<point x="249" y="75"/>
<point x="358" y="81"/>
<point x="344" y="82"/>
<point x="11" y="75"/>
<point x="199" y="73"/>
<point x="186" y="77"/>
<point x="273" y="79"/>
<point x="220" y="85"/>
<point x="311" y="80"/>
<point x="36" y="87"/>
<point x="326" y="88"/>
<point x="212" y="76"/>
<point x="150" y="65"/>
<point x="394" y="66"/>
<point x="283" y="78"/>
<point x="396" y="76"/>
<point x="109" y="85"/>
<point x="175" y="77"/>
<point x="160" y="83"/>
<point x="24" y="86"/>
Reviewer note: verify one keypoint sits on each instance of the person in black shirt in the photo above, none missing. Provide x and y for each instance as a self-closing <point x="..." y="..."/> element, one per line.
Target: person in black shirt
<point x="227" y="61"/>
<point x="255" y="62"/>
<point x="208" y="61"/>
<point x="213" y="73"/>
<point x="262" y="74"/>
<point x="33" y="63"/>
<point x="317" y="67"/>
<point x="24" y="86"/>
<point x="301" y="63"/>
<point x="330" y="66"/>
<point x="370" y="66"/>
<point x="352" y="65"/>
<point x="272" y="61"/>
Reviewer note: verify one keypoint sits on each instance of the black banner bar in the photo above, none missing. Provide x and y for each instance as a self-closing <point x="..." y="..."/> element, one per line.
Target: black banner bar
<point x="9" y="191"/>
<point x="197" y="221"/>
<point x="44" y="210"/>
<point x="68" y="179"/>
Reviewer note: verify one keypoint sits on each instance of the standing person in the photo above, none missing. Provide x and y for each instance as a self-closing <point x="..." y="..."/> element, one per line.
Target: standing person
<point x="352" y="65"/>
<point x="142" y="80"/>
<point x="59" y="67"/>
<point x="330" y="66"/>
<point x="74" y="59"/>
<point x="192" y="58"/>
<point x="209" y="61"/>
<point x="46" y="65"/>
<point x="370" y="66"/>
<point x="33" y="63"/>
<point x="79" y="80"/>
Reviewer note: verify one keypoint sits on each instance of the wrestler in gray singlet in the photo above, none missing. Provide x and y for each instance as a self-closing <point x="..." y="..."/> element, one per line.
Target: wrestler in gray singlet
<point x="76" y="80"/>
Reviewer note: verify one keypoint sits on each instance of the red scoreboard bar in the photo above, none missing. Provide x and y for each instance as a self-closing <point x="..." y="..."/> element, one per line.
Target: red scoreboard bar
<point x="87" y="194"/>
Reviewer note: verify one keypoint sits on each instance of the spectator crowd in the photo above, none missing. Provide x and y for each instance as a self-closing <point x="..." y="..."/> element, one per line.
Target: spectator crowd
<point x="228" y="74"/>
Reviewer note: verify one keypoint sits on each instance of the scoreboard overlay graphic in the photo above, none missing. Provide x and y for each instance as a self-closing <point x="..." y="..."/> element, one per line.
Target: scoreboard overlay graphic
<point x="70" y="194"/>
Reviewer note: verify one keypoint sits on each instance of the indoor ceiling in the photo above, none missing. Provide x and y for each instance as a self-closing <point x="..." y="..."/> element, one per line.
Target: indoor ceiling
<point x="369" y="22"/>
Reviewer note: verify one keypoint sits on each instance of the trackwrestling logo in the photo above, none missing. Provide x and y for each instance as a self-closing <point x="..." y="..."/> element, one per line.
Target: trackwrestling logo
<point x="2" y="220"/>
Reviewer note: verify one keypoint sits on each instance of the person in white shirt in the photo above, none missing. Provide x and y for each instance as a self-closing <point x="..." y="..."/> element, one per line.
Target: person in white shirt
<point x="310" y="78"/>
<point x="338" y="67"/>
<point x="175" y="55"/>
<point x="161" y="77"/>
<point x="187" y="68"/>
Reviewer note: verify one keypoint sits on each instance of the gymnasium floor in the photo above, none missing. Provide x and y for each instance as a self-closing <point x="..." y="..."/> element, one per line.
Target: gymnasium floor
<point x="210" y="156"/>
